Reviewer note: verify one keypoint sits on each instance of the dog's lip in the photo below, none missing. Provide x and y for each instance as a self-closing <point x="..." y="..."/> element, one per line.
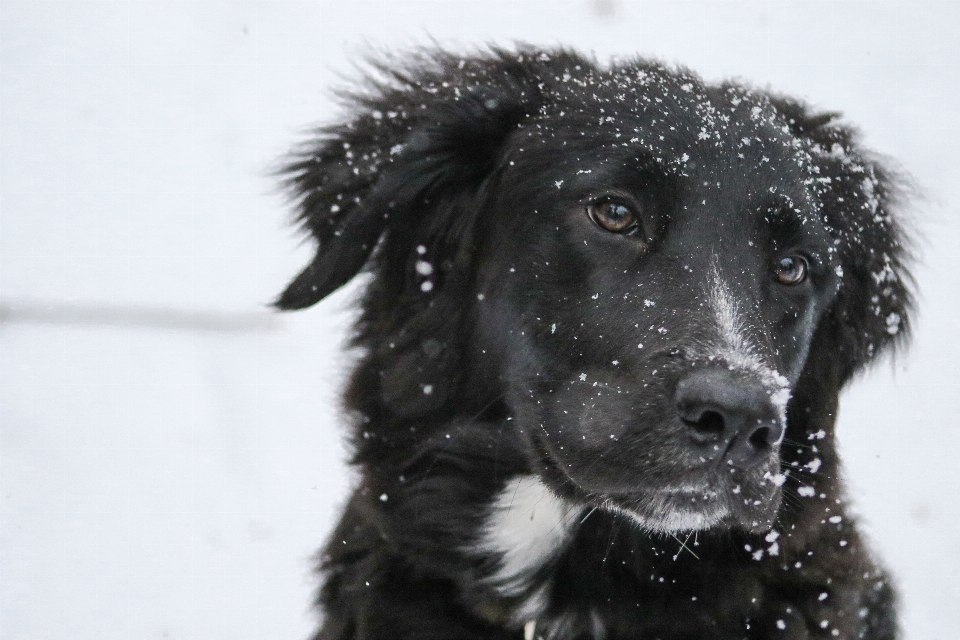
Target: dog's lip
<point x="714" y="486"/>
<point x="686" y="497"/>
<point x="706" y="490"/>
<point x="717" y="498"/>
<point x="697" y="510"/>
<point x="569" y="487"/>
<point x="670" y="511"/>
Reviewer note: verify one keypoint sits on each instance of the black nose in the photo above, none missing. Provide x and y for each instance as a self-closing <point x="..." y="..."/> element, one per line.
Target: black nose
<point x="735" y="415"/>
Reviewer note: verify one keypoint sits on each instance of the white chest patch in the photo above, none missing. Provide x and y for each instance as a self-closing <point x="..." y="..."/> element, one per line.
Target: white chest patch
<point x="527" y="527"/>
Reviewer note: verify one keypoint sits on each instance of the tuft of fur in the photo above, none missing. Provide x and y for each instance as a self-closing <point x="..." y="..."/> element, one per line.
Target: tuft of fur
<point x="507" y="343"/>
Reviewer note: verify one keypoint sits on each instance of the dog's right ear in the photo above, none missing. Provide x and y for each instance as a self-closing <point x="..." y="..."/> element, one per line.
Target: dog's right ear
<point x="861" y="201"/>
<point x="434" y="128"/>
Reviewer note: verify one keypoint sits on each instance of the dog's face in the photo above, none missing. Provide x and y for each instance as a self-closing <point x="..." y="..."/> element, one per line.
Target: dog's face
<point x="654" y="301"/>
<point x="639" y="267"/>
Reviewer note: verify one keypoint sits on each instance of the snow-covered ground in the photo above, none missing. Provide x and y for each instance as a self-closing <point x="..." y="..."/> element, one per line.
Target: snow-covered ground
<point x="171" y="455"/>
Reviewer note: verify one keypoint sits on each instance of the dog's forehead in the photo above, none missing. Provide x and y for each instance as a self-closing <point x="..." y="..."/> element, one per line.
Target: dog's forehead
<point x="672" y="118"/>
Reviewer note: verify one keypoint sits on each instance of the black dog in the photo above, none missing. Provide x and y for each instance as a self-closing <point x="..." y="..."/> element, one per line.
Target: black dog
<point x="610" y="314"/>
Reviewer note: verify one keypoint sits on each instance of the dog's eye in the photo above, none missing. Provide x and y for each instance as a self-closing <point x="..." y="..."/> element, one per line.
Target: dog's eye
<point x="613" y="216"/>
<point x="792" y="270"/>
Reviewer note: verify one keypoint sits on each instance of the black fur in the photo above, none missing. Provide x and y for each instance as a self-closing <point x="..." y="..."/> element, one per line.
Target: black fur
<point x="515" y="351"/>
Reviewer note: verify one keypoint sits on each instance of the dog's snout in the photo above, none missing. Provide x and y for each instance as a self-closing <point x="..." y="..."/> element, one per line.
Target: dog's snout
<point x="736" y="416"/>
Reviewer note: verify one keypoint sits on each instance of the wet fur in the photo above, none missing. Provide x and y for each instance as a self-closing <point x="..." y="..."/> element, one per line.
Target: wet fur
<point x="463" y="163"/>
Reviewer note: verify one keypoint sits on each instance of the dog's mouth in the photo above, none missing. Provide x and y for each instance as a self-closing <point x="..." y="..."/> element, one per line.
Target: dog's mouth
<point x="717" y="507"/>
<point x="742" y="500"/>
<point x="670" y="511"/>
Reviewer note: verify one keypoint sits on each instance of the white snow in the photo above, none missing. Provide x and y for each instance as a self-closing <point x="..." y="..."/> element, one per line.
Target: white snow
<point x="893" y="323"/>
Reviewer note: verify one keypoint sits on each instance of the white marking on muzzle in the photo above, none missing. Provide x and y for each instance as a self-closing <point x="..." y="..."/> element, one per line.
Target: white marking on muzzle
<point x="735" y="348"/>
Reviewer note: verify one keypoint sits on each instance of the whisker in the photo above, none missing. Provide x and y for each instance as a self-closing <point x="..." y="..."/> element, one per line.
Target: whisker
<point x="683" y="545"/>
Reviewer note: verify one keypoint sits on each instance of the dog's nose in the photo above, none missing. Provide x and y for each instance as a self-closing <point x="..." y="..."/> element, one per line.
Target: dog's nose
<point x="735" y="415"/>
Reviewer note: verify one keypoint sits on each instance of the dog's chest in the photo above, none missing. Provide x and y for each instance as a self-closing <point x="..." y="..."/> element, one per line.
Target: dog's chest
<point x="526" y="529"/>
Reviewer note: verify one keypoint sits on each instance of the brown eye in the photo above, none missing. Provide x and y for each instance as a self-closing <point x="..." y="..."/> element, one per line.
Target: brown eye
<point x="613" y="216"/>
<point x="792" y="270"/>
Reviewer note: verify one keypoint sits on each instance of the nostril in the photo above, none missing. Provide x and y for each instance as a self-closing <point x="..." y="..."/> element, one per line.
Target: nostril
<point x="766" y="436"/>
<point x="709" y="426"/>
<point x="761" y="439"/>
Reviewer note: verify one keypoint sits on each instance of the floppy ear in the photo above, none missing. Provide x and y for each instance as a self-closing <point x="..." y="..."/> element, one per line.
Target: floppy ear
<point x="430" y="132"/>
<point x="860" y="199"/>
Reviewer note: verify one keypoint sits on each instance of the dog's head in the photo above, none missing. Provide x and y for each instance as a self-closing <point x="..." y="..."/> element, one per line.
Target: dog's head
<point x="650" y="275"/>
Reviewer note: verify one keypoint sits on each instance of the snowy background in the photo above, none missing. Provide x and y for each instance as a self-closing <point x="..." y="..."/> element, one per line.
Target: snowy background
<point x="171" y="451"/>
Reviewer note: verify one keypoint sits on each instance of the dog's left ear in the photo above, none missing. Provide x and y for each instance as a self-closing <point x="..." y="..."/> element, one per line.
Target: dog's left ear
<point x="426" y="136"/>
<point x="861" y="200"/>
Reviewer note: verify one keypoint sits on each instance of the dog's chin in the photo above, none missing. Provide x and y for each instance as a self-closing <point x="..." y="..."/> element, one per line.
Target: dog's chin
<point x="672" y="512"/>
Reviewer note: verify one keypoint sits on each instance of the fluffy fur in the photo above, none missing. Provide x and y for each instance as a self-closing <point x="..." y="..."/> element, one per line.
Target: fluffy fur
<point x="569" y="432"/>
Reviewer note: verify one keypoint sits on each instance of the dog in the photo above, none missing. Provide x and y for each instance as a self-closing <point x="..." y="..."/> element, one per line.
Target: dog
<point x="609" y="313"/>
